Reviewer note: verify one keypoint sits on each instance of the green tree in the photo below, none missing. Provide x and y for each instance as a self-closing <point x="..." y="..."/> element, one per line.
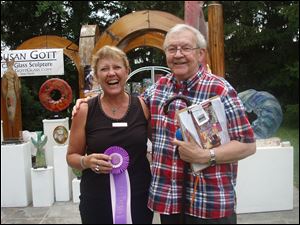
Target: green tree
<point x="61" y="18"/>
<point x="261" y="42"/>
<point x="261" y="47"/>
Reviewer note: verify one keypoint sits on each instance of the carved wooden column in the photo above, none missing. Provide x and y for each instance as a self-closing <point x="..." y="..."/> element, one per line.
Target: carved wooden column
<point x="216" y="38"/>
<point x="89" y="35"/>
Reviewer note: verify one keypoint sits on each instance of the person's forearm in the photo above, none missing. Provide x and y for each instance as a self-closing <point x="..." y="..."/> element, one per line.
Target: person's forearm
<point x="234" y="151"/>
<point x="77" y="161"/>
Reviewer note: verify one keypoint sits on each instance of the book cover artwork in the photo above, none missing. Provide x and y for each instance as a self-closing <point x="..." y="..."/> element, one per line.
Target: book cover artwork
<point x="205" y="124"/>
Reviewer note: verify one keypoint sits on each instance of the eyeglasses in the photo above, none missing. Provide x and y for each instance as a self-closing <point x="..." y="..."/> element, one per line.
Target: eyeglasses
<point x="172" y="50"/>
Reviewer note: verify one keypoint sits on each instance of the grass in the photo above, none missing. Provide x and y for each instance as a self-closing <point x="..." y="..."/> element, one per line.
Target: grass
<point x="291" y="135"/>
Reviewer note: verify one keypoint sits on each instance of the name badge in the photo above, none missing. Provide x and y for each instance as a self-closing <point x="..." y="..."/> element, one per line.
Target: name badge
<point x="119" y="124"/>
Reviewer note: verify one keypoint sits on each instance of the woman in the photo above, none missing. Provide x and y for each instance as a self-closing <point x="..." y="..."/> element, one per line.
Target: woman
<point x="113" y="119"/>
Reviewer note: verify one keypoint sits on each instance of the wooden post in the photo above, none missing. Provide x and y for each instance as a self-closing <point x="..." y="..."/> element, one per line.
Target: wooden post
<point x="89" y="36"/>
<point x="216" y="38"/>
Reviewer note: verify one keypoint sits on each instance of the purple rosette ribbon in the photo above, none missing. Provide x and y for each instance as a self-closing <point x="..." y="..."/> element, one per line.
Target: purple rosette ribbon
<point x="120" y="185"/>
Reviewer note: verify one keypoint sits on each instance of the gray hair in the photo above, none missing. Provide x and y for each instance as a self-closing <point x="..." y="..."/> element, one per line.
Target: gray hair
<point x="201" y="42"/>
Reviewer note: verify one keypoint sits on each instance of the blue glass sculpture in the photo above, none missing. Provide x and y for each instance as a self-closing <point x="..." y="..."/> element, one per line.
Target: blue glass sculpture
<point x="267" y="109"/>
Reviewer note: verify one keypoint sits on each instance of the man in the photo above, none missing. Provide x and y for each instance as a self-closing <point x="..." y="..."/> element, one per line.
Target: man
<point x="214" y="193"/>
<point x="209" y="196"/>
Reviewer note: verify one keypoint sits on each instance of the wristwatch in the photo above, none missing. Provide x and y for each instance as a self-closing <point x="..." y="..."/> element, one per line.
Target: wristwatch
<point x="212" y="161"/>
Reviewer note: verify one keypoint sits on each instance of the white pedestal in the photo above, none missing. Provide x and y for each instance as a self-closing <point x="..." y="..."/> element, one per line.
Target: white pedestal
<point x="49" y="126"/>
<point x="62" y="173"/>
<point x="15" y="175"/>
<point x="76" y="190"/>
<point x="265" y="180"/>
<point x="42" y="186"/>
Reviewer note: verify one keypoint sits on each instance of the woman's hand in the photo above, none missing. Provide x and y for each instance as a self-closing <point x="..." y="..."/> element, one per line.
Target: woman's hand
<point x="99" y="163"/>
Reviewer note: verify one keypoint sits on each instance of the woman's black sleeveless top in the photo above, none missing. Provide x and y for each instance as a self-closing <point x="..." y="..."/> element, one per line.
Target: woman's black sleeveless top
<point x="100" y="135"/>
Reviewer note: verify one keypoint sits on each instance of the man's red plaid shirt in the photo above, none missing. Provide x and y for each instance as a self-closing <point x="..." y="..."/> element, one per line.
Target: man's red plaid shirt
<point x="215" y="195"/>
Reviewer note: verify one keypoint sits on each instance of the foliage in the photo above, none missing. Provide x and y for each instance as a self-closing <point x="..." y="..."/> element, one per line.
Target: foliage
<point x="32" y="111"/>
<point x="291" y="116"/>
<point x="291" y="134"/>
<point x="65" y="18"/>
<point x="261" y="42"/>
<point x="62" y="18"/>
<point x="173" y="7"/>
<point x="289" y="131"/>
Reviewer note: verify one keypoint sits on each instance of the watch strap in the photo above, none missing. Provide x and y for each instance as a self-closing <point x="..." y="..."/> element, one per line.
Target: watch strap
<point x="212" y="160"/>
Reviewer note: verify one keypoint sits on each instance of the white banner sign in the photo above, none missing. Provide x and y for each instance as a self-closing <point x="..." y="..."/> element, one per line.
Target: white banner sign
<point x="35" y="62"/>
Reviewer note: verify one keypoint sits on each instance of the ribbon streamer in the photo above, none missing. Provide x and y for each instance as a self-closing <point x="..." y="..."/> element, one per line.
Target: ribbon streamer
<point x="120" y="185"/>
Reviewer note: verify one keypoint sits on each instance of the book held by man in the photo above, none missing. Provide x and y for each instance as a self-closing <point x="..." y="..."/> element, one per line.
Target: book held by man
<point x="206" y="124"/>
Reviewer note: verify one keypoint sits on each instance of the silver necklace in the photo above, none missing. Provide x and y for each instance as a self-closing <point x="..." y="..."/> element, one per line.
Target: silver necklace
<point x="114" y="110"/>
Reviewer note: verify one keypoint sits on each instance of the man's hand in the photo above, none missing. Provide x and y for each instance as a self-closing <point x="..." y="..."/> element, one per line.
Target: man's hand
<point x="77" y="105"/>
<point x="190" y="151"/>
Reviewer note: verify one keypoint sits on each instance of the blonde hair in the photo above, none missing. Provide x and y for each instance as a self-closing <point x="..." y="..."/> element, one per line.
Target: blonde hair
<point x="109" y="52"/>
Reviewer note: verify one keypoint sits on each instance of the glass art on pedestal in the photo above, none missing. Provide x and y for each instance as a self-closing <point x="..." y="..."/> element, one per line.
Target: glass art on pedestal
<point x="77" y="173"/>
<point x="267" y="110"/>
<point x="39" y="143"/>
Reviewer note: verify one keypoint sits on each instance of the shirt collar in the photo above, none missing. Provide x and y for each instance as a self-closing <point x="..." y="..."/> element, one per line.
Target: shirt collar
<point x="189" y="83"/>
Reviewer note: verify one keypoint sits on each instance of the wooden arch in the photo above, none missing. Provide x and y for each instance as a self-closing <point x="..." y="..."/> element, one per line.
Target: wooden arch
<point x="142" y="28"/>
<point x="150" y="38"/>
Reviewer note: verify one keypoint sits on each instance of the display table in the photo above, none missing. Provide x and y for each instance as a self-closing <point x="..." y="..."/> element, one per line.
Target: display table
<point x="15" y="175"/>
<point x="49" y="125"/>
<point x="265" y="180"/>
<point x="62" y="173"/>
<point x="76" y="190"/>
<point x="42" y="186"/>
